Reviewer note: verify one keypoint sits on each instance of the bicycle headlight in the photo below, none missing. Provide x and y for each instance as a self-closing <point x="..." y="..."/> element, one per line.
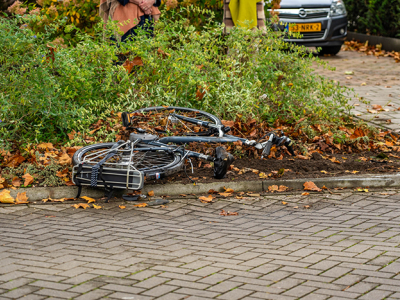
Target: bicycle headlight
<point x="338" y="8"/>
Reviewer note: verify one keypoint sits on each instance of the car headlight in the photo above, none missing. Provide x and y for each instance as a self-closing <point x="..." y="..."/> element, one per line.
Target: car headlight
<point x="338" y="8"/>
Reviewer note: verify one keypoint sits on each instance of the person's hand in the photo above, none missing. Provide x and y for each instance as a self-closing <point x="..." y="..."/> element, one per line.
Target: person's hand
<point x="146" y="6"/>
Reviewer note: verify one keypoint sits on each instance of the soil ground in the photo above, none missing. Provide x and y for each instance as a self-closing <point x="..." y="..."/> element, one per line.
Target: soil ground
<point x="345" y="164"/>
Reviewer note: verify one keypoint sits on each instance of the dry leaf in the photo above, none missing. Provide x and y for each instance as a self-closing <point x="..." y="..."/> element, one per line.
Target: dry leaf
<point x="45" y="146"/>
<point x="282" y="188"/>
<point x="16" y="182"/>
<point x="273" y="188"/>
<point x="354" y="172"/>
<point x="182" y="195"/>
<point x="212" y="191"/>
<point x="306" y="206"/>
<point x="225" y="194"/>
<point x="295" y="207"/>
<point x="310" y="186"/>
<point x="151" y="193"/>
<point x="228" y="213"/>
<point x="28" y="179"/>
<point x="59" y="200"/>
<point x="207" y="199"/>
<point x="5" y="197"/>
<point x="305" y="194"/>
<point x="140" y="205"/>
<point x="21" y="198"/>
<point x="325" y="172"/>
<point x="284" y="203"/>
<point x="64" y="159"/>
<point x="96" y="206"/>
<point x="90" y="200"/>
<point x="228" y="190"/>
<point x="253" y="195"/>
<point x="123" y="207"/>
<point x="83" y="205"/>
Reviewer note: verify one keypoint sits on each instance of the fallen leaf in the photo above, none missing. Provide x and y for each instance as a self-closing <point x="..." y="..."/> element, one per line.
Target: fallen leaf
<point x="253" y="195"/>
<point x="284" y="203"/>
<point x="263" y="175"/>
<point x="306" y="206"/>
<point x="64" y="159"/>
<point x="47" y="199"/>
<point x="2" y="180"/>
<point x="90" y="200"/>
<point x="28" y="179"/>
<point x="225" y="194"/>
<point x="140" y="205"/>
<point x="376" y="106"/>
<point x="273" y="188"/>
<point x="228" y="190"/>
<point x="83" y="205"/>
<point x="212" y="191"/>
<point x="305" y="194"/>
<point x="325" y="172"/>
<point x="228" y="213"/>
<point x="207" y="199"/>
<point x="310" y="186"/>
<point x="295" y="207"/>
<point x="5" y="197"/>
<point x="354" y="172"/>
<point x="45" y="146"/>
<point x="282" y="188"/>
<point x="16" y="181"/>
<point x="123" y="207"/>
<point x="96" y="206"/>
<point x="182" y="195"/>
<point x="21" y="198"/>
<point x="59" y="200"/>
<point x="151" y="193"/>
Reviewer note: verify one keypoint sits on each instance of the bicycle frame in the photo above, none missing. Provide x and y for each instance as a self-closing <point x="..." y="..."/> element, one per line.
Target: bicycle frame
<point x="224" y="138"/>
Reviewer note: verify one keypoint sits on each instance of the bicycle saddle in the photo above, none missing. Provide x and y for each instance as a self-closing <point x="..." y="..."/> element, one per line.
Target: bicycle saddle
<point x="144" y="137"/>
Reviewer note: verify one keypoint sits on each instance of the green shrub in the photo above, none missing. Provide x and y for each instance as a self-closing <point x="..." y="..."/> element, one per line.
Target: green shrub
<point x="246" y="73"/>
<point x="46" y="92"/>
<point x="377" y="17"/>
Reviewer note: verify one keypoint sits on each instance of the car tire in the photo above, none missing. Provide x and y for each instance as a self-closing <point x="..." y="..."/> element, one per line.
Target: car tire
<point x="331" y="50"/>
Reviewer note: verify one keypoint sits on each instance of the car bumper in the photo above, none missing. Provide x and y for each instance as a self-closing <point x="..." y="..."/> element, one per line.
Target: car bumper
<point x="330" y="35"/>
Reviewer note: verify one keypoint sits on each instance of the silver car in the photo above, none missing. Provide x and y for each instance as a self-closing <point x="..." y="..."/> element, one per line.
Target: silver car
<point x="321" y="23"/>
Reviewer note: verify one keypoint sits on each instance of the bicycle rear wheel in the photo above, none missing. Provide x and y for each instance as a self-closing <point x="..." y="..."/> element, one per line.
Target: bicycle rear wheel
<point x="159" y="119"/>
<point x="154" y="164"/>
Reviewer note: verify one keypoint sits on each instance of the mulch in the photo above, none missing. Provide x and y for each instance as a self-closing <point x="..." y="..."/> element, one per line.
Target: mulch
<point x="288" y="167"/>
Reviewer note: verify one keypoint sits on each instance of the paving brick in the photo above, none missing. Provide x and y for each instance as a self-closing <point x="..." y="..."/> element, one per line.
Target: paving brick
<point x="20" y="292"/>
<point x="95" y="294"/>
<point x="162" y="290"/>
<point x="194" y="292"/>
<point x="376" y="295"/>
<point x="56" y="293"/>
<point x="299" y="291"/>
<point x="86" y="287"/>
<point x="15" y="283"/>
<point x="51" y="285"/>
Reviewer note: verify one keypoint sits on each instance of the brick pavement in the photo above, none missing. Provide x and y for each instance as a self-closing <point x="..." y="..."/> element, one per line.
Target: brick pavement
<point x="376" y="80"/>
<point x="345" y="246"/>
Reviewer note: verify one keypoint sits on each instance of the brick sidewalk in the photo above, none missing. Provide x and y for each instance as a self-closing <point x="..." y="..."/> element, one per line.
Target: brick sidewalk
<point x="344" y="246"/>
<point x="375" y="79"/>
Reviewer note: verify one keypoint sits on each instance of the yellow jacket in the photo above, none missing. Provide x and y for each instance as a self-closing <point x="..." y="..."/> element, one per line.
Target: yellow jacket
<point x="242" y="11"/>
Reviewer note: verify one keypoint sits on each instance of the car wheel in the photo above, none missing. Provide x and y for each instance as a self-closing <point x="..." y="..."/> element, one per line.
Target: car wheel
<point x="331" y="50"/>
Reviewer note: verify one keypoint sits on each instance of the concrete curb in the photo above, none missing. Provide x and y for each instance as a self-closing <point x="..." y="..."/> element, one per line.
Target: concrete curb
<point x="388" y="44"/>
<point x="371" y="181"/>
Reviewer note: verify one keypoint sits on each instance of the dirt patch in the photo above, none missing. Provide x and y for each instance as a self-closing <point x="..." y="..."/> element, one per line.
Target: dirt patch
<point x="289" y="168"/>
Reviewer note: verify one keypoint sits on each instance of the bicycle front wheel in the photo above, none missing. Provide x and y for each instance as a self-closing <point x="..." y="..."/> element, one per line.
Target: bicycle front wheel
<point x="160" y="119"/>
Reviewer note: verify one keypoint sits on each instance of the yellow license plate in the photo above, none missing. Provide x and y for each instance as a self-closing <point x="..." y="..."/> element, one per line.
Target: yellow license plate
<point x="305" y="27"/>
